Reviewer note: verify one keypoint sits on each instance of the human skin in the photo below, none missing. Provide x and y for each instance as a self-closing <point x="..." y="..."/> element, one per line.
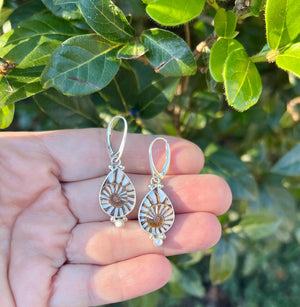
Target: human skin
<point x="58" y="248"/>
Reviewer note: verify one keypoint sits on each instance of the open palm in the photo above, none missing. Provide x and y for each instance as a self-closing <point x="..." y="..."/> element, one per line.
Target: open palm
<point x="58" y="248"/>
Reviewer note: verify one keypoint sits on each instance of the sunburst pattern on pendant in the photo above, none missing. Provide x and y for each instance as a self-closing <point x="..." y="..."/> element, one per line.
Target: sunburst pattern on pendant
<point x="117" y="194"/>
<point x="156" y="215"/>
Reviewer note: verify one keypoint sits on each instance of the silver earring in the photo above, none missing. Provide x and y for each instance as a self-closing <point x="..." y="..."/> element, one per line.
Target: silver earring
<point x="117" y="195"/>
<point x="156" y="213"/>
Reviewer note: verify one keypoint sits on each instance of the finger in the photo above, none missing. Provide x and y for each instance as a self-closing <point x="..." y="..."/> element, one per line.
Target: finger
<point x="188" y="193"/>
<point x="82" y="154"/>
<point x="102" y="243"/>
<point x="91" y="285"/>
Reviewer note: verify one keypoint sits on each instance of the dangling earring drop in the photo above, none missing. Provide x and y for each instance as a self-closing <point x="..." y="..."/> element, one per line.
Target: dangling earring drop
<point x="117" y="194"/>
<point x="156" y="213"/>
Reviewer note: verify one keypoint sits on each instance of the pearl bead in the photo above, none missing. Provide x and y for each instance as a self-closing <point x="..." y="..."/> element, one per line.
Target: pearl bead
<point x="119" y="223"/>
<point x="158" y="242"/>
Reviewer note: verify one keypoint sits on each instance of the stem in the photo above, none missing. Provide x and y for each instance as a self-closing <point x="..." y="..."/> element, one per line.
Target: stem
<point x="258" y="58"/>
<point x="187" y="34"/>
<point x="213" y="3"/>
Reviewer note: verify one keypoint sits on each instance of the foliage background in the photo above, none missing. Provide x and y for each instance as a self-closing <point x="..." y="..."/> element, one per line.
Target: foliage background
<point x="257" y="262"/>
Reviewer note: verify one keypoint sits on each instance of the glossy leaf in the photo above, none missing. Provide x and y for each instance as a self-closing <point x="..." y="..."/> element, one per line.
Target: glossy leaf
<point x="289" y="164"/>
<point x="67" y="11"/>
<point x="222" y="261"/>
<point x="226" y="164"/>
<point x="25" y="11"/>
<point x="107" y="20"/>
<point x="132" y="51"/>
<point x="257" y="6"/>
<point x="27" y="42"/>
<point x="7" y="115"/>
<point x="30" y="46"/>
<point x="69" y="112"/>
<point x="242" y="81"/>
<point x="121" y="94"/>
<point x="225" y="23"/>
<point x="290" y="59"/>
<point x="218" y="55"/>
<point x="258" y="226"/>
<point x="59" y="2"/>
<point x="81" y="65"/>
<point x="282" y="22"/>
<point x="168" y="53"/>
<point x="175" y="12"/>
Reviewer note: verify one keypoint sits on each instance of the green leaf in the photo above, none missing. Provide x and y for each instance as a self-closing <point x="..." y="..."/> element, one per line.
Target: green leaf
<point x="222" y="262"/>
<point x="257" y="6"/>
<point x="70" y="112"/>
<point x="277" y="201"/>
<point x="121" y="94"/>
<point x="107" y="20"/>
<point x="225" y="23"/>
<point x="26" y="43"/>
<point x="168" y="53"/>
<point x="242" y="81"/>
<point x="190" y="258"/>
<point x="282" y="22"/>
<point x="25" y="11"/>
<point x="59" y="2"/>
<point x="81" y="65"/>
<point x="191" y="283"/>
<point x="30" y="45"/>
<point x="4" y="14"/>
<point x="68" y="11"/>
<point x="154" y="98"/>
<point x="7" y="115"/>
<point x="148" y="300"/>
<point x="258" y="226"/>
<point x="132" y="51"/>
<point x="290" y="59"/>
<point x="289" y="164"/>
<point x="226" y="164"/>
<point x="175" y="12"/>
<point x="218" y="55"/>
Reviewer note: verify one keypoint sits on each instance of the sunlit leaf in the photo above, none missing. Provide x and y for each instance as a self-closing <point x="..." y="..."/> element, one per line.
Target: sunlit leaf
<point x="242" y="81"/>
<point x="132" y="51"/>
<point x="282" y="22"/>
<point x="67" y="11"/>
<point x="225" y="23"/>
<point x="290" y="59"/>
<point x="81" y="65"/>
<point x="168" y="53"/>
<point x="175" y="12"/>
<point x="218" y="55"/>
<point x="107" y="20"/>
<point x="222" y="261"/>
<point x="7" y="115"/>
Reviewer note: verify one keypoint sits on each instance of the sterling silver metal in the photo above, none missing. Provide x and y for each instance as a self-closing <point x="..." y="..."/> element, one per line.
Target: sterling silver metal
<point x="117" y="195"/>
<point x="156" y="213"/>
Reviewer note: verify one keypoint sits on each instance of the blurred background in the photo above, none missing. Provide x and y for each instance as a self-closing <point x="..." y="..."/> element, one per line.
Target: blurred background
<point x="257" y="261"/>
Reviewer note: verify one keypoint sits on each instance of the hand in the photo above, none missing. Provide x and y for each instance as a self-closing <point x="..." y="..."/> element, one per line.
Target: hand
<point x="58" y="248"/>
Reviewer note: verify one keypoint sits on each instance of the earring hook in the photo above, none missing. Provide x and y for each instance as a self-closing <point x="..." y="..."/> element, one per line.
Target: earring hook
<point x="115" y="156"/>
<point x="156" y="175"/>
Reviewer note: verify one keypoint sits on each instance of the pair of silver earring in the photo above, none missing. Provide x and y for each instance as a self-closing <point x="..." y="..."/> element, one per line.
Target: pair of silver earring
<point x="117" y="195"/>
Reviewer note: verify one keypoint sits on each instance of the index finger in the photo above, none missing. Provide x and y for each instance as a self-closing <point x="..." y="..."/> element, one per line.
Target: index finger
<point x="82" y="154"/>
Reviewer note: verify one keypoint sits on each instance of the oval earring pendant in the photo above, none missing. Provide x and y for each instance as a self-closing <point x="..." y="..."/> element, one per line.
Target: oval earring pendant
<point x="117" y="195"/>
<point x="156" y="213"/>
